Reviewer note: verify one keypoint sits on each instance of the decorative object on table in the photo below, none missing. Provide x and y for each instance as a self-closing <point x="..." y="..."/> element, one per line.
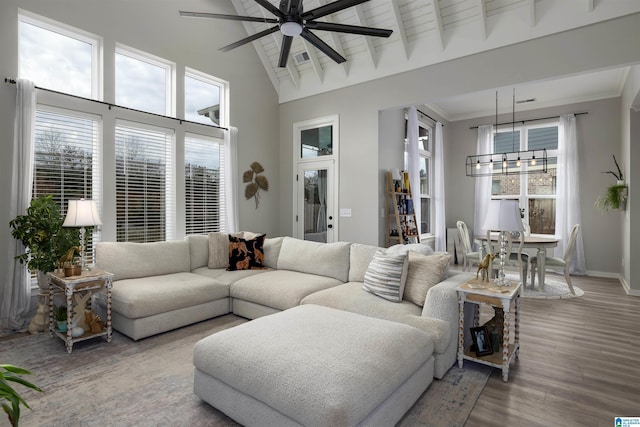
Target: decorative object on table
<point x="256" y="182"/>
<point x="95" y="323"/>
<point x="70" y="264"/>
<point x="481" y="341"/>
<point x="82" y="213"/>
<point x="503" y="216"/>
<point x="616" y="196"/>
<point x="60" y="314"/>
<point x="77" y="331"/>
<point x="79" y="308"/>
<point x="511" y="162"/>
<point x="483" y="267"/>
<point x="10" y="395"/>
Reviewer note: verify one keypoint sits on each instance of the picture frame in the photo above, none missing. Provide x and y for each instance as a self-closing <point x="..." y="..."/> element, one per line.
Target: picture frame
<point x="481" y="341"/>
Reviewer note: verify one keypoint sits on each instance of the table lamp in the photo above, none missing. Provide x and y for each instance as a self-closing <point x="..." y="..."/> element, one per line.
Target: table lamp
<point x="82" y="213"/>
<point x="503" y="216"/>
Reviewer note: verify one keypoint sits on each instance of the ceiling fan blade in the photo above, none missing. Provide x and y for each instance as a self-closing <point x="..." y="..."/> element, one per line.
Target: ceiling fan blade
<point x="322" y="46"/>
<point x="251" y="38"/>
<point x="350" y="29"/>
<point x="284" y="51"/>
<point x="294" y="7"/>
<point x="271" y="8"/>
<point x="330" y="8"/>
<point x="229" y="17"/>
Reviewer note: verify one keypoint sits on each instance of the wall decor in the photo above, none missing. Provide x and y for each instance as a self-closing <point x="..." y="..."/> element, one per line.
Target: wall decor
<point x="255" y="182"/>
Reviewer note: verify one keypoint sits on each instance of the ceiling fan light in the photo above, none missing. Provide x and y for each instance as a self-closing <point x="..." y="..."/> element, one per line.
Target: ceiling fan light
<point x="291" y="28"/>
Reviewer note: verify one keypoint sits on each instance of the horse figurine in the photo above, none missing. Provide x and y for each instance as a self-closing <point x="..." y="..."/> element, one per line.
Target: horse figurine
<point x="67" y="259"/>
<point x="484" y="266"/>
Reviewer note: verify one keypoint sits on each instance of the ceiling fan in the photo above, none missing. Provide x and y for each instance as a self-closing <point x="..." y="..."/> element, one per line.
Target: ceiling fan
<point x="292" y="21"/>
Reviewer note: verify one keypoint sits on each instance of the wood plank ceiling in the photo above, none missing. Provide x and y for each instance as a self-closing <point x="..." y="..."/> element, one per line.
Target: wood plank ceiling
<point x="424" y="32"/>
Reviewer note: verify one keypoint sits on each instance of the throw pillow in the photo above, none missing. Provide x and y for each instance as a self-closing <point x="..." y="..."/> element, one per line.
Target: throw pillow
<point x="218" y="250"/>
<point x="425" y="271"/>
<point x="386" y="275"/>
<point x="246" y="254"/>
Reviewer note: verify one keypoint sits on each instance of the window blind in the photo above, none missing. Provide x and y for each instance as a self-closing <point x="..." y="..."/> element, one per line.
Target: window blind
<point x="144" y="183"/>
<point x="204" y="185"/>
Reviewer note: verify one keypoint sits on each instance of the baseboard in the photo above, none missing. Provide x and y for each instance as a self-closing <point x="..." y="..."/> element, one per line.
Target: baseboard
<point x="627" y="288"/>
<point x="605" y="274"/>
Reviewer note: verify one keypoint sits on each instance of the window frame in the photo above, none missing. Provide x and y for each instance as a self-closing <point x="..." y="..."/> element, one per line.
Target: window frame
<point x="222" y="88"/>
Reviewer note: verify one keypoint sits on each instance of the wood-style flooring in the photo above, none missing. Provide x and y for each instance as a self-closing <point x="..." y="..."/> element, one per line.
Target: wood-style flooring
<point x="578" y="365"/>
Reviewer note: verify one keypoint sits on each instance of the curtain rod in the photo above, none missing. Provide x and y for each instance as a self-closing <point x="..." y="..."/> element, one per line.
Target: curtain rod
<point x="531" y="120"/>
<point x="110" y="105"/>
<point x="425" y="114"/>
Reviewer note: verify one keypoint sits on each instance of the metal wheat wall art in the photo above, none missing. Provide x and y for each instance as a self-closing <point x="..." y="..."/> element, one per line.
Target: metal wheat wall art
<point x="255" y="182"/>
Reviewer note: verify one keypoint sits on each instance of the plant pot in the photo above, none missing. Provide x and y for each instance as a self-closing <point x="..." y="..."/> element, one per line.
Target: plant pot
<point x="72" y="270"/>
<point x="62" y="325"/>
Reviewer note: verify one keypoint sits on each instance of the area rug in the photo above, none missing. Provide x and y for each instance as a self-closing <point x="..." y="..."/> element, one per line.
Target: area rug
<point x="150" y="382"/>
<point x="554" y="288"/>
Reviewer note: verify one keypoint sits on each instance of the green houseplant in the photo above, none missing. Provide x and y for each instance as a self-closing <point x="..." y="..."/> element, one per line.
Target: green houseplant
<point x="615" y="196"/>
<point x="60" y="314"/>
<point x="40" y="231"/>
<point x="9" y="397"/>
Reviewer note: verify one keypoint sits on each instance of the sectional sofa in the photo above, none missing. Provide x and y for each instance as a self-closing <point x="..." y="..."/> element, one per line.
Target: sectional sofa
<point x="166" y="285"/>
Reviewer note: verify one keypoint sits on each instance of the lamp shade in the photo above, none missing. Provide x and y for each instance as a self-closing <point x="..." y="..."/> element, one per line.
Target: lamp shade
<point x="503" y="215"/>
<point x="82" y="213"/>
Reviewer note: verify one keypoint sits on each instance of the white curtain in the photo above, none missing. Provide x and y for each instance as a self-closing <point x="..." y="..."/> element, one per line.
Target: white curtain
<point x="568" y="193"/>
<point x="231" y="178"/>
<point x="441" y="230"/>
<point x="483" y="183"/>
<point x="413" y="160"/>
<point x="321" y="223"/>
<point x="16" y="288"/>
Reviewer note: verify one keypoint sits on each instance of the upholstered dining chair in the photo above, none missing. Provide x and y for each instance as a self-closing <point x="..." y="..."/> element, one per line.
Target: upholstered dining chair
<point x="514" y="260"/>
<point x="470" y="256"/>
<point x="555" y="262"/>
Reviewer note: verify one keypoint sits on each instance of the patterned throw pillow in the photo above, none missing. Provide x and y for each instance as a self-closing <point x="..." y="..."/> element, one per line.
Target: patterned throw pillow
<point x="386" y="275"/>
<point x="246" y="254"/>
<point x="425" y="271"/>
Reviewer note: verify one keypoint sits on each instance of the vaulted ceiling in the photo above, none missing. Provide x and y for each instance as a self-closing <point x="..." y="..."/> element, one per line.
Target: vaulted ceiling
<point x="425" y="32"/>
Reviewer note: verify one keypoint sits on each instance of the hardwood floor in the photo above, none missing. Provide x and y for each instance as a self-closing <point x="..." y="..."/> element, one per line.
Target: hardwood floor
<point x="578" y="363"/>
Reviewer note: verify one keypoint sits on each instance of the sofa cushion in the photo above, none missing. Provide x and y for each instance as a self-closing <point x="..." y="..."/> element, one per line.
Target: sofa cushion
<point x="126" y="260"/>
<point x="280" y="289"/>
<point x="272" y="247"/>
<point x="146" y="296"/>
<point x="198" y="250"/>
<point x="324" y="259"/>
<point x="246" y="253"/>
<point x="410" y="247"/>
<point x="218" y="250"/>
<point x="359" y="258"/>
<point x="225" y="276"/>
<point x="425" y="271"/>
<point x="386" y="275"/>
<point x="351" y="297"/>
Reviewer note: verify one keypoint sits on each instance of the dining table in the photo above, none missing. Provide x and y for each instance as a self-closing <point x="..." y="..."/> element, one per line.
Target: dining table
<point x="541" y="243"/>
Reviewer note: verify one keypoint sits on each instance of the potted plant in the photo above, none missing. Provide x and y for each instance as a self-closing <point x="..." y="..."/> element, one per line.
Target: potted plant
<point x="40" y="231"/>
<point x="616" y="195"/>
<point x="9" y="397"/>
<point x="60" y="314"/>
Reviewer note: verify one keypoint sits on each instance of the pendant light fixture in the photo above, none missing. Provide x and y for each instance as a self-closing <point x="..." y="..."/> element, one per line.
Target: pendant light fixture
<point x="507" y="163"/>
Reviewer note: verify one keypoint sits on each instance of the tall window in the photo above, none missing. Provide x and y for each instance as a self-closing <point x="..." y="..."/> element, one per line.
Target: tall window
<point x="202" y="100"/>
<point x="58" y="57"/>
<point x="536" y="191"/>
<point x="425" y="151"/>
<point x="204" y="185"/>
<point x="144" y="184"/>
<point x="66" y="159"/>
<point x="144" y="82"/>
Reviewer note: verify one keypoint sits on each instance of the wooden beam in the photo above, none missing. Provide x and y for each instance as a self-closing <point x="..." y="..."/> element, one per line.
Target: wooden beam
<point x="482" y="13"/>
<point x="337" y="44"/>
<point x="397" y="16"/>
<point x="438" y="18"/>
<point x="360" y="18"/>
<point x="532" y="13"/>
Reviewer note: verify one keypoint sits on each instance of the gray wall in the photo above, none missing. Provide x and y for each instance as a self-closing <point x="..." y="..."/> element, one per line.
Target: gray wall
<point x="155" y="27"/>
<point x="599" y="46"/>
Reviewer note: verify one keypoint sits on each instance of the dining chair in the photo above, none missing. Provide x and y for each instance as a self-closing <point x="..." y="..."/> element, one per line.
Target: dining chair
<point x="514" y="260"/>
<point x="470" y="256"/>
<point x="555" y="262"/>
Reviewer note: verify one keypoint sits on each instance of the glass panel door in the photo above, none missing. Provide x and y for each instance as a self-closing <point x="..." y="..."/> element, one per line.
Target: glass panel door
<point x="315" y="218"/>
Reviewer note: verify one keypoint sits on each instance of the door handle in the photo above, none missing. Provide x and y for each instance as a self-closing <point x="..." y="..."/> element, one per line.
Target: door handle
<point x="330" y="226"/>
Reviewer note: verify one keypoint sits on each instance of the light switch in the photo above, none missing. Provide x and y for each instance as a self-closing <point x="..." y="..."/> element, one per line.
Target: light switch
<point x="345" y="212"/>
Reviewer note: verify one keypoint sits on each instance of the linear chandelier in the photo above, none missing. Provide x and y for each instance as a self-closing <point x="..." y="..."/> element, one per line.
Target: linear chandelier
<point x="508" y="163"/>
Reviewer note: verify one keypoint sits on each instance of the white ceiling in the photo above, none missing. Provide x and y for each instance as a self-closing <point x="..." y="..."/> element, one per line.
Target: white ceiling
<point x="426" y="32"/>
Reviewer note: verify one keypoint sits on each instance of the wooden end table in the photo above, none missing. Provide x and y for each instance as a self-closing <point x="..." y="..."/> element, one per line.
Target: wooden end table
<point x="89" y="281"/>
<point x="502" y="299"/>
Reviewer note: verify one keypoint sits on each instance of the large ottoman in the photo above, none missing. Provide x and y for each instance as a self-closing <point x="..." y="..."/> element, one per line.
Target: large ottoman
<point x="314" y="366"/>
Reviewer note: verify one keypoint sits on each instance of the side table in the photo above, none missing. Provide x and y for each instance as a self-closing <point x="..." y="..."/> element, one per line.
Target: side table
<point x="502" y="299"/>
<point x="86" y="284"/>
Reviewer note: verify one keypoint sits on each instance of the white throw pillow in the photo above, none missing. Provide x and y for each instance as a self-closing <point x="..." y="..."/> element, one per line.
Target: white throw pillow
<point x="425" y="271"/>
<point x="386" y="275"/>
<point x="410" y="247"/>
<point x="218" y="250"/>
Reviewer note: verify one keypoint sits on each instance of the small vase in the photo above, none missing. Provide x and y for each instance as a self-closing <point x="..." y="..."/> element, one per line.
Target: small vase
<point x="62" y="325"/>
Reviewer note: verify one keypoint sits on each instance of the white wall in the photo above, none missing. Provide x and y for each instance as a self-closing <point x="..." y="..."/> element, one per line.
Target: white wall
<point x="155" y="27"/>
<point x="599" y="46"/>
